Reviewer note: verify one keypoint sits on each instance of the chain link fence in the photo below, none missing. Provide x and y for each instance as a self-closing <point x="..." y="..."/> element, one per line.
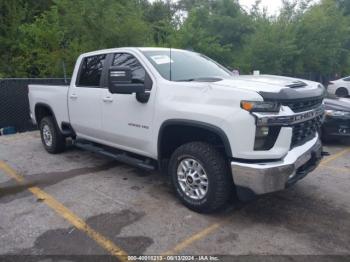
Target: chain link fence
<point x="14" y="103"/>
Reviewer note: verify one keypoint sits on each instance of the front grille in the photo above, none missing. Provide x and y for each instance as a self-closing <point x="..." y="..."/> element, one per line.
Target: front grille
<point x="301" y="105"/>
<point x="305" y="131"/>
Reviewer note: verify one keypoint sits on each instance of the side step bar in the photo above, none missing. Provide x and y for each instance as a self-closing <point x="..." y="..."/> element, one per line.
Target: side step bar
<point x="115" y="154"/>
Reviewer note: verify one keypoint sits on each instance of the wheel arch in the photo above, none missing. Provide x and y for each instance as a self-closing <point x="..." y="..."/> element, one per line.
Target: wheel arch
<point x="42" y="110"/>
<point x="177" y="124"/>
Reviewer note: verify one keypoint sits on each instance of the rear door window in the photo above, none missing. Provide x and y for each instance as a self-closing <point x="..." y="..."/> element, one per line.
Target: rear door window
<point x="91" y="71"/>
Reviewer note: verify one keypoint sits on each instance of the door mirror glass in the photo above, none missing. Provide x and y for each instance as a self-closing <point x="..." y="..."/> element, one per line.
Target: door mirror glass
<point x="120" y="81"/>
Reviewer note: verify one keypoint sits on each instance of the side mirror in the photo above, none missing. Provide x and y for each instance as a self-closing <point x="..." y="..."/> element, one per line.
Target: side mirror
<point x="120" y="81"/>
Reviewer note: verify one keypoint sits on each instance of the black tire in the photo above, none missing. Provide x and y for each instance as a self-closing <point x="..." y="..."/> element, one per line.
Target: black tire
<point x="58" y="141"/>
<point x="220" y="183"/>
<point x="342" y="92"/>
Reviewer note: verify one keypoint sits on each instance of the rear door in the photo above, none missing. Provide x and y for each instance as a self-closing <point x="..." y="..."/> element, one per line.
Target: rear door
<point x="127" y="122"/>
<point x="84" y="98"/>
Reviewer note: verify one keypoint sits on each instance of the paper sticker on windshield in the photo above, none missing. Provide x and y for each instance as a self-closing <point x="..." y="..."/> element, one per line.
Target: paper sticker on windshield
<point x="162" y="59"/>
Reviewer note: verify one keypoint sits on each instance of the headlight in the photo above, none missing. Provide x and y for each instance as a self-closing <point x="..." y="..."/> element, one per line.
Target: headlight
<point x="260" y="106"/>
<point x="336" y="113"/>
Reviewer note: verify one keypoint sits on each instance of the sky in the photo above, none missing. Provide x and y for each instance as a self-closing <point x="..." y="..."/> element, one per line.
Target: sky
<point x="272" y="5"/>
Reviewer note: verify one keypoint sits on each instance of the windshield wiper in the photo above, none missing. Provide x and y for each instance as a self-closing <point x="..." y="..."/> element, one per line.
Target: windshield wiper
<point x="201" y="79"/>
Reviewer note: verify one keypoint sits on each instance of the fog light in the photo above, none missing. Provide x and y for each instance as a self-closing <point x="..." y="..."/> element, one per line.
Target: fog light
<point x="265" y="137"/>
<point x="262" y="131"/>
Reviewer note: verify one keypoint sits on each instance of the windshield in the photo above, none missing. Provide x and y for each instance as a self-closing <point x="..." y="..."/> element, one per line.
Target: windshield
<point x="186" y="66"/>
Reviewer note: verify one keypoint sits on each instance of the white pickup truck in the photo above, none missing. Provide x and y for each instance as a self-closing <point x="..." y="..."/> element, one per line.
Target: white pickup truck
<point x="215" y="134"/>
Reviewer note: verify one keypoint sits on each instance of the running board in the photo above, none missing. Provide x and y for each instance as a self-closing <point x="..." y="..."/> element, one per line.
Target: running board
<point x="117" y="155"/>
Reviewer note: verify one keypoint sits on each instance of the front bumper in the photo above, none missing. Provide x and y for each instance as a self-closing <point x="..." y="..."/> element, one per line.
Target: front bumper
<point x="261" y="178"/>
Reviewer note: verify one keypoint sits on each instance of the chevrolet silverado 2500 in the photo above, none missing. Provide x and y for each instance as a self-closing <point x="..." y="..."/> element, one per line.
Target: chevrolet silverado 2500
<point x="215" y="134"/>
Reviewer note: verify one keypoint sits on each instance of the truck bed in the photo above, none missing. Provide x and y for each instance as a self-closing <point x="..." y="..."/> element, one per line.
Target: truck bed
<point x="54" y="96"/>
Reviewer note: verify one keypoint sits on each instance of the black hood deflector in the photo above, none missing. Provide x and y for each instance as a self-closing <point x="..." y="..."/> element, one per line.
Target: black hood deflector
<point x="293" y="94"/>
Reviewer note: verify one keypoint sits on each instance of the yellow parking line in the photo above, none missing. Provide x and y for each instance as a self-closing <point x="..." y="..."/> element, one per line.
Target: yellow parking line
<point x="68" y="215"/>
<point x="195" y="237"/>
<point x="335" y="156"/>
<point x="106" y="243"/>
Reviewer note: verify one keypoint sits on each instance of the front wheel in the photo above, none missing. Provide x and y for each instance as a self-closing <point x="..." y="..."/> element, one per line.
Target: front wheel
<point x="51" y="137"/>
<point x="200" y="177"/>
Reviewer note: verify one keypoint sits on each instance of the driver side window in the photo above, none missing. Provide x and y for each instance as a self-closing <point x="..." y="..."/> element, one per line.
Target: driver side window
<point x="137" y="71"/>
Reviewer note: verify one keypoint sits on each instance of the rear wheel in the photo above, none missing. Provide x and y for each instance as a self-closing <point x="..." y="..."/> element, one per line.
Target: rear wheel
<point x="342" y="92"/>
<point x="200" y="177"/>
<point x="51" y="137"/>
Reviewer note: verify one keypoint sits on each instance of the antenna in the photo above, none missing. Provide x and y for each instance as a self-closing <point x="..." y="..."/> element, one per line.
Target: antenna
<point x="170" y="73"/>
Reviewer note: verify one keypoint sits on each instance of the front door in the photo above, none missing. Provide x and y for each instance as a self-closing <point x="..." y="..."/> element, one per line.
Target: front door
<point x="127" y="122"/>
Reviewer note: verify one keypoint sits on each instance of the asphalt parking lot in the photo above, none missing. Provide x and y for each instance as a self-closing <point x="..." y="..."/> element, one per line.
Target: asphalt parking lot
<point x="79" y="203"/>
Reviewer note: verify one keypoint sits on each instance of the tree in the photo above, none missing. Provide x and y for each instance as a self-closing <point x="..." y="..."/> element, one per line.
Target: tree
<point x="322" y="35"/>
<point x="271" y="48"/>
<point x="215" y="28"/>
<point x="13" y="13"/>
<point x="160" y="16"/>
<point x="303" y="40"/>
<point x="38" y="36"/>
<point x="345" y="6"/>
<point x="72" y="27"/>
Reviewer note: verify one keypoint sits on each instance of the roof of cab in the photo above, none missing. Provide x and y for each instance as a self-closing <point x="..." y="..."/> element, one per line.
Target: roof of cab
<point x="112" y="50"/>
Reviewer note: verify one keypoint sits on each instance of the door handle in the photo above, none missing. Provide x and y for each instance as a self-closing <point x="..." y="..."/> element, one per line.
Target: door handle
<point x="73" y="96"/>
<point x="108" y="99"/>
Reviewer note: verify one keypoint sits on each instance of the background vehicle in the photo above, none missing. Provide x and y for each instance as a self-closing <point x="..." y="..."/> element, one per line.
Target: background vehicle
<point x="337" y="119"/>
<point x="183" y="113"/>
<point x="340" y="87"/>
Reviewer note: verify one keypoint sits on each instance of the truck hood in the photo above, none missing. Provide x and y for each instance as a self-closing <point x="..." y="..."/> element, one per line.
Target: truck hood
<point x="274" y="87"/>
